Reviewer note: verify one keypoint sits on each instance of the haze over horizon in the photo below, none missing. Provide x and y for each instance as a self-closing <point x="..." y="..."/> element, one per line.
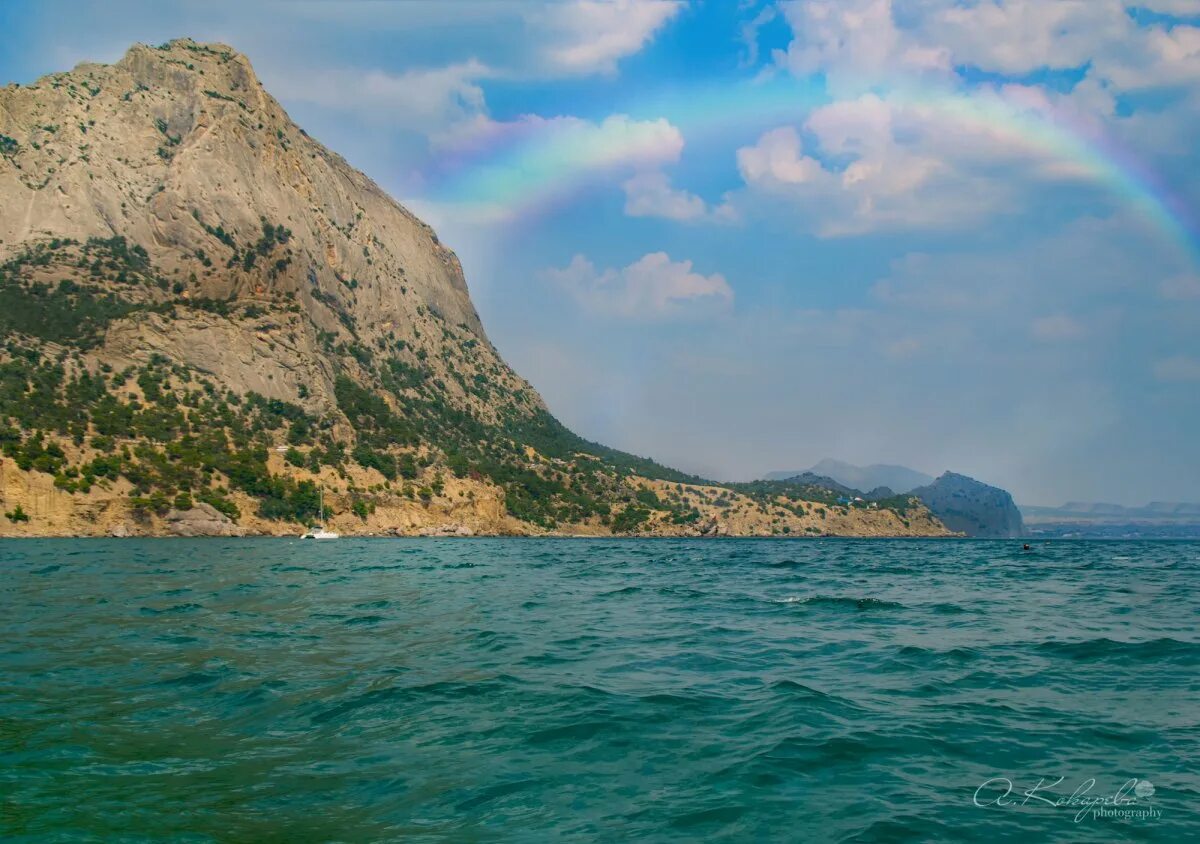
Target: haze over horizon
<point x="745" y="239"/>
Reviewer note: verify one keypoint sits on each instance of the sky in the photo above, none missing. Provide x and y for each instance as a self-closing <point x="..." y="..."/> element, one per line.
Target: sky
<point x="742" y="237"/>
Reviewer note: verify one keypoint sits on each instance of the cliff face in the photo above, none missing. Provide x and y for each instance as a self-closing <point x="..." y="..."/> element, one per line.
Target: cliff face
<point x="200" y="304"/>
<point x="965" y="505"/>
<point x="182" y="152"/>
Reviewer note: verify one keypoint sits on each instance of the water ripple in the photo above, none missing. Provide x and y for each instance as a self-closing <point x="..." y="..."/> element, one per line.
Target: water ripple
<point x="545" y="689"/>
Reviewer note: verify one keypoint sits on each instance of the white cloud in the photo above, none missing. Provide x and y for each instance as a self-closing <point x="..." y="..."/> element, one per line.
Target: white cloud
<point x="1056" y="328"/>
<point x="909" y="142"/>
<point x="1178" y="368"/>
<point x="1170" y="7"/>
<point x="860" y="44"/>
<point x="855" y="43"/>
<point x="1019" y="36"/>
<point x="1186" y="286"/>
<point x="587" y="36"/>
<point x="653" y="287"/>
<point x="748" y="34"/>
<point x="425" y="100"/>
<point x="567" y="142"/>
<point x="778" y="158"/>
<point x="1155" y="58"/>
<point x="649" y="193"/>
<point x="882" y="164"/>
<point x="581" y="37"/>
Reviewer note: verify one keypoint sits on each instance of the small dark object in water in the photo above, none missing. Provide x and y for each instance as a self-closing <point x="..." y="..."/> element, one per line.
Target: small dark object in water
<point x="1025" y="547"/>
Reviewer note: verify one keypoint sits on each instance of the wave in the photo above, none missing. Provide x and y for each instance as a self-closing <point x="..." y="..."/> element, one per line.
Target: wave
<point x="918" y="652"/>
<point x="788" y="564"/>
<point x="844" y="602"/>
<point x="178" y="608"/>
<point x="575" y="732"/>
<point x="626" y="590"/>
<point x="1112" y="650"/>
<point x="450" y="690"/>
<point x="192" y="678"/>
<point x="493" y="792"/>
<point x="717" y="816"/>
<point x="363" y="619"/>
<point x="791" y="686"/>
<point x="906" y="827"/>
<point x="948" y="609"/>
<point x="808" y="755"/>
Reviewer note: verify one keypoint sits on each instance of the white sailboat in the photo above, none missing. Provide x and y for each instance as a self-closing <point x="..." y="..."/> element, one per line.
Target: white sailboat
<point x="318" y="531"/>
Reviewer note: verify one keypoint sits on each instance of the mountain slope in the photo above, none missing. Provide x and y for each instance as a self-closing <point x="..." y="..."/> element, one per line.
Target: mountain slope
<point x="201" y="304"/>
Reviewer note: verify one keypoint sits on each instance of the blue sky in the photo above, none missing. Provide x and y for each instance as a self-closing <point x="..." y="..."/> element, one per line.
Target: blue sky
<point x="741" y="237"/>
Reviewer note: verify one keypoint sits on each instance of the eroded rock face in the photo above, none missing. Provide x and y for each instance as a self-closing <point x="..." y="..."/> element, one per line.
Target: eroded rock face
<point x="181" y="150"/>
<point x="202" y="520"/>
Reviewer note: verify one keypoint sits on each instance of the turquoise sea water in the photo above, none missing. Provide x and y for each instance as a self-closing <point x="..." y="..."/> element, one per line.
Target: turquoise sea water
<point x="573" y="690"/>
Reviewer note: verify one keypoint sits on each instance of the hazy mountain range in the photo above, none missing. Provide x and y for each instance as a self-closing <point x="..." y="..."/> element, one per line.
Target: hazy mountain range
<point x="1096" y="511"/>
<point x="896" y="478"/>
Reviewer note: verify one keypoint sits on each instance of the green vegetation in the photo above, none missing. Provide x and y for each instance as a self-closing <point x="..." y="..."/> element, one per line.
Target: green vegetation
<point x="71" y="311"/>
<point x="792" y="493"/>
<point x="183" y="441"/>
<point x="17" y="514"/>
<point x="273" y="237"/>
<point x="178" y="437"/>
<point x="172" y="140"/>
<point x="64" y="313"/>
<point x="630" y="519"/>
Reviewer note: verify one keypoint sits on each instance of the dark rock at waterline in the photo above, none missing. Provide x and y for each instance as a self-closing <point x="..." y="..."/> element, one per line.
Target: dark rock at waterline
<point x="202" y="520"/>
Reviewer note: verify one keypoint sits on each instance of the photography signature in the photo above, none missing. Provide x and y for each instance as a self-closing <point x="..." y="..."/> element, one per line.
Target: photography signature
<point x="1130" y="800"/>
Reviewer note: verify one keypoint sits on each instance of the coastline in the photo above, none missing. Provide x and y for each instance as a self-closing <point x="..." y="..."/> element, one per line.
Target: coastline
<point x="462" y="507"/>
<point x="585" y="537"/>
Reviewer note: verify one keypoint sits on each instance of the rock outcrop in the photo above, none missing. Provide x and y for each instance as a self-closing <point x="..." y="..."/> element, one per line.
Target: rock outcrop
<point x="202" y="520"/>
<point x="968" y="506"/>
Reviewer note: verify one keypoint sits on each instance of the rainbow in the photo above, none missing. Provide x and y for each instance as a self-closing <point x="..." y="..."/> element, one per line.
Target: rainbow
<point x="513" y="170"/>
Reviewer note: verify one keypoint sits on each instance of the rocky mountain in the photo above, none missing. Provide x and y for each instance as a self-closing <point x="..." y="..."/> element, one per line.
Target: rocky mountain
<point x="899" y="479"/>
<point x="965" y="505"/>
<point x="208" y="320"/>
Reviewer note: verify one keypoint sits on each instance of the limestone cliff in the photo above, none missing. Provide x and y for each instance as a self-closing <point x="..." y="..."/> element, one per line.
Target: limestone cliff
<point x="181" y="151"/>
<point x="205" y="311"/>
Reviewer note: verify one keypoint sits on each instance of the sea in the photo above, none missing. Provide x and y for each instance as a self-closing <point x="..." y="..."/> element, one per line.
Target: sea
<point x="529" y="690"/>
